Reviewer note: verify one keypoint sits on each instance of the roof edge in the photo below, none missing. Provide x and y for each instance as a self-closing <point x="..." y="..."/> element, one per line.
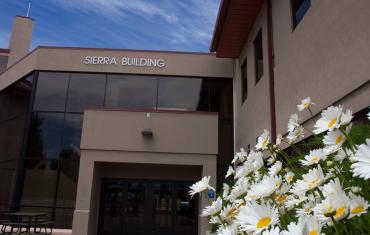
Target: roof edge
<point x="127" y="50"/>
<point x="221" y="18"/>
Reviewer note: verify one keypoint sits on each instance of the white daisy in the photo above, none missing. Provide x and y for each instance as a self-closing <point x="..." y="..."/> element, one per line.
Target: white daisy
<point x="340" y="156"/>
<point x="256" y="160"/>
<point x="279" y="138"/>
<point x="361" y="165"/>
<point x="336" y="205"/>
<point x="267" y="186"/>
<point x="272" y="231"/>
<point x="312" y="225"/>
<point x="212" y="209"/>
<point x="294" y="228"/>
<point x="294" y="200"/>
<point x="314" y="157"/>
<point x="330" y="119"/>
<point x="225" y="190"/>
<point x="336" y="138"/>
<point x="240" y="156"/>
<point x="296" y="135"/>
<point x="254" y="218"/>
<point x="263" y="141"/>
<point x="228" y="230"/>
<point x="200" y="186"/>
<point x="276" y="168"/>
<point x="243" y="170"/>
<point x="315" y="177"/>
<point x="346" y="117"/>
<point x="333" y="187"/>
<point x="357" y="206"/>
<point x="228" y="213"/>
<point x="305" y="104"/>
<point x="230" y="171"/>
<point x="289" y="177"/>
<point x="280" y="193"/>
<point x="307" y="209"/>
<point x="241" y="186"/>
<point x="293" y="122"/>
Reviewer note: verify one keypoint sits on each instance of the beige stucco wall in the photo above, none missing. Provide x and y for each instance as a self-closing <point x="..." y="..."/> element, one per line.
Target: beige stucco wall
<point x="73" y="59"/>
<point x="252" y="116"/>
<point x="326" y="57"/>
<point x="183" y="146"/>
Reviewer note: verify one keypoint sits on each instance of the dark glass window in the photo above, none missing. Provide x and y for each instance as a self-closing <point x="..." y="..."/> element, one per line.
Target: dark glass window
<point x="40" y="182"/>
<point x="258" y="56"/>
<point x="85" y="91"/>
<point x="132" y="92"/>
<point x="16" y="98"/>
<point x="299" y="9"/>
<point x="67" y="187"/>
<point x="180" y="93"/>
<point x="51" y="91"/>
<point x="244" y="81"/>
<point x="71" y="136"/>
<point x="45" y="135"/>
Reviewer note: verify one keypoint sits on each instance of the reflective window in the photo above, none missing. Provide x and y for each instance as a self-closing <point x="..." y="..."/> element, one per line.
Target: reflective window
<point x="45" y="135"/>
<point x="177" y="93"/>
<point x="71" y="136"/>
<point x="244" y="81"/>
<point x="67" y="187"/>
<point x="258" y="56"/>
<point x="40" y="182"/>
<point x="129" y="91"/>
<point x="85" y="91"/>
<point x="51" y="91"/>
<point x="15" y="99"/>
<point x="299" y="9"/>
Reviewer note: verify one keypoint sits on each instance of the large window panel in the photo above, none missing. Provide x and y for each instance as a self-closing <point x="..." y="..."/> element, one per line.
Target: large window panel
<point x="51" y="91"/>
<point x="177" y="93"/>
<point x="131" y="92"/>
<point x="40" y="182"/>
<point x="71" y="136"/>
<point x="67" y="187"/>
<point x="45" y="135"/>
<point x="85" y="91"/>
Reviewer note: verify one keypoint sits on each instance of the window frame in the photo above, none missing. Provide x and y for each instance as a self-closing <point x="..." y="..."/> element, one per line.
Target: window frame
<point x="258" y="42"/>
<point x="244" y="80"/>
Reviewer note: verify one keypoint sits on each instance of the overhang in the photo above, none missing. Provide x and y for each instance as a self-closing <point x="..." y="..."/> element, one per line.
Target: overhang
<point x="234" y="23"/>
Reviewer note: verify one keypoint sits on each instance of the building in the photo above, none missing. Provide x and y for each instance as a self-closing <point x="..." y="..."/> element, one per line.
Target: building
<point x="284" y="51"/>
<point x="107" y="141"/>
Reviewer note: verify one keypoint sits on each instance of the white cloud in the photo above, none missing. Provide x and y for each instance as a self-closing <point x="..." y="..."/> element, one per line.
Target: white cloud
<point x="178" y="22"/>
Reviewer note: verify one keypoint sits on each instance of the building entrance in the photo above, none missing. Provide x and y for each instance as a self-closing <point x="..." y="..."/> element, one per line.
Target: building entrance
<point x="138" y="207"/>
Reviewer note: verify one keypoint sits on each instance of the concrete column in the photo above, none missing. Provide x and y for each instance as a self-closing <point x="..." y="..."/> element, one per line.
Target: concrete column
<point x="81" y="214"/>
<point x="209" y="169"/>
<point x="20" y="39"/>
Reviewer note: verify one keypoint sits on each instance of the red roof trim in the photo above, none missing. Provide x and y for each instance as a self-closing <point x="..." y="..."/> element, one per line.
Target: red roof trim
<point x="221" y="18"/>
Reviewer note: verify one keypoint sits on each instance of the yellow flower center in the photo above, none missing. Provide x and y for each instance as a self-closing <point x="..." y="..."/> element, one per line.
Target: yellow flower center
<point x="339" y="212"/>
<point x="312" y="183"/>
<point x="264" y="222"/>
<point x="264" y="143"/>
<point x="357" y="210"/>
<point x="339" y="139"/>
<point x="306" y="104"/>
<point x="313" y="232"/>
<point x="232" y="213"/>
<point x="290" y="178"/>
<point x="315" y="159"/>
<point x="280" y="198"/>
<point x="308" y="210"/>
<point x="332" y="122"/>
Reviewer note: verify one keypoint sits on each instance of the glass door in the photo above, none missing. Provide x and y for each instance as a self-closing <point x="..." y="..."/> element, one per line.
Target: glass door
<point x="138" y="207"/>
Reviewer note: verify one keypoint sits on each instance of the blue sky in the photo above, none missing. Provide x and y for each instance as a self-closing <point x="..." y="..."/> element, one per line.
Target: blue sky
<point x="181" y="25"/>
